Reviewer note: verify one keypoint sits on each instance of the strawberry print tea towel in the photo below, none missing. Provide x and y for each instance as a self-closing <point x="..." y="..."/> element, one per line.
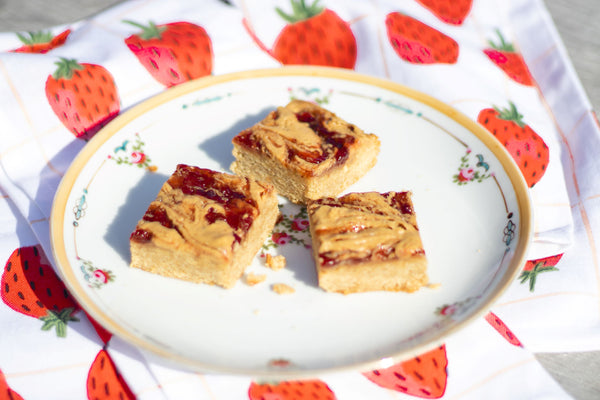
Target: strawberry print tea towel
<point x="500" y="63"/>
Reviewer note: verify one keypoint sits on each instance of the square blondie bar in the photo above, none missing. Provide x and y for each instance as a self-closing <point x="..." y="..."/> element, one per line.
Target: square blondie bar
<point x="306" y="151"/>
<point x="367" y="242"/>
<point x="204" y="226"/>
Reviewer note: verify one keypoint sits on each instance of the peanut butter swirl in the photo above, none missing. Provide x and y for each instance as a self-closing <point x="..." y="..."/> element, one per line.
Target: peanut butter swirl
<point x="364" y="227"/>
<point x="304" y="136"/>
<point x="201" y="211"/>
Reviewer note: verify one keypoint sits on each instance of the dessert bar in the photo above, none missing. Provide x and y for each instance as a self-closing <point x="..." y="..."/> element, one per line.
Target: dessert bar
<point x="367" y="242"/>
<point x="306" y="151"/>
<point x="204" y="226"/>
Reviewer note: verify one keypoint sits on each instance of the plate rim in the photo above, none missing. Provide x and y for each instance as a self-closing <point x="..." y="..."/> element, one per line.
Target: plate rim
<point x="59" y="208"/>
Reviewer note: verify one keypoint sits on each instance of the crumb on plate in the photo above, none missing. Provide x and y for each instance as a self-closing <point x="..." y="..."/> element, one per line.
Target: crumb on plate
<point x="253" y="279"/>
<point x="275" y="263"/>
<point x="282" y="288"/>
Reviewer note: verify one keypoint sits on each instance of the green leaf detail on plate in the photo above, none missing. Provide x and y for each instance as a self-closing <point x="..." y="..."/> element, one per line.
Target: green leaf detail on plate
<point x="80" y="207"/>
<point x="291" y="228"/>
<point x="204" y="101"/>
<point x="131" y="152"/>
<point x="94" y="276"/>
<point x="509" y="231"/>
<point x="472" y="170"/>
<point x="310" y="94"/>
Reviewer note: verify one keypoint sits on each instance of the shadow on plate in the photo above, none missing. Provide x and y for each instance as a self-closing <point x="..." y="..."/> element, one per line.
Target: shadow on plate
<point x="291" y="239"/>
<point x="219" y="146"/>
<point x="131" y="211"/>
<point x="300" y="262"/>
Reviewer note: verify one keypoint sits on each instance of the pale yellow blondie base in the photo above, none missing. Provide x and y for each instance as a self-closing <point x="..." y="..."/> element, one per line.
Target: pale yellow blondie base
<point x="397" y="276"/>
<point x="299" y="189"/>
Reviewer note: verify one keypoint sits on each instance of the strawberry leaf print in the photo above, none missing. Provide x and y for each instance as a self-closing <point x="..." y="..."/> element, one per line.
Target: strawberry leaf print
<point x="535" y="267"/>
<point x="58" y="320"/>
<point x="41" y="42"/>
<point x="32" y="288"/>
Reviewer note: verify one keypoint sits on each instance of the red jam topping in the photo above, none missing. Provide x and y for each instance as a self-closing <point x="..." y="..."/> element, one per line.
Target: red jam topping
<point x="158" y="214"/>
<point x="400" y="201"/>
<point x="212" y="216"/>
<point x="141" y="236"/>
<point x="202" y="182"/>
<point x="247" y="139"/>
<point x="381" y="253"/>
<point x="336" y="143"/>
<point x="155" y="213"/>
<point x="239" y="209"/>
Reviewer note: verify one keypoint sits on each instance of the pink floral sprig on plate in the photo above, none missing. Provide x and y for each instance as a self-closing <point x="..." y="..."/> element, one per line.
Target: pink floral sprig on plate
<point x="133" y="154"/>
<point x="291" y="228"/>
<point x="472" y="168"/>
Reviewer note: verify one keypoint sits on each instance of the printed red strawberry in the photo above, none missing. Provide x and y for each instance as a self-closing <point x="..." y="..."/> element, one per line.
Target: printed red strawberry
<point x="31" y="287"/>
<point x="535" y="267"/>
<point x="450" y="11"/>
<point x="83" y="96"/>
<point x="503" y="54"/>
<point x="419" y="43"/>
<point x="424" y="376"/>
<point x="41" y="41"/>
<point x="104" y="382"/>
<point x="527" y="148"/>
<point x="314" y="36"/>
<point x="6" y="393"/>
<point x="291" y="390"/>
<point x="173" y="53"/>
<point x="502" y="329"/>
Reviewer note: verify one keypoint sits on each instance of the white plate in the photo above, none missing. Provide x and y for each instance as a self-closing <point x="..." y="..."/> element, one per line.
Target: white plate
<point x="475" y="231"/>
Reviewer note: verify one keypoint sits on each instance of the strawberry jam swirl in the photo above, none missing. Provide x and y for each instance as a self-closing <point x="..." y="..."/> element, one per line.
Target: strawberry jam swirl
<point x="389" y="217"/>
<point x="155" y="213"/>
<point x="334" y="145"/>
<point x="237" y="209"/>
